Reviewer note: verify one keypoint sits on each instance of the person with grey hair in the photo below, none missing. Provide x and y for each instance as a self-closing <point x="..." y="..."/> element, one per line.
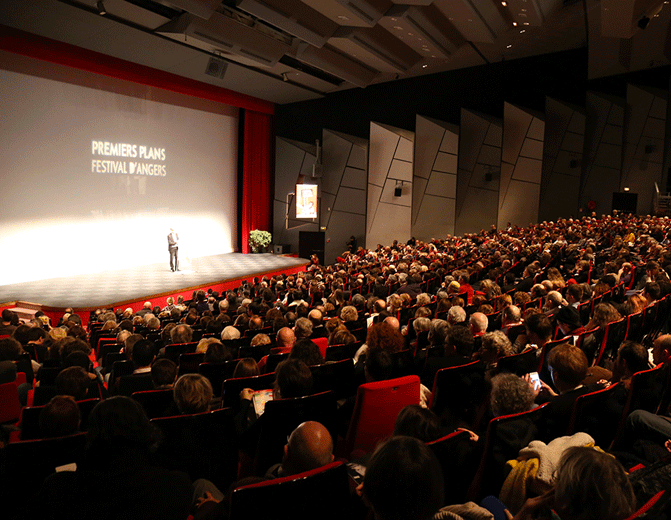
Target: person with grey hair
<point x="495" y="345"/>
<point x="349" y="313"/>
<point x="553" y="302"/>
<point x="456" y="315"/>
<point x="303" y="328"/>
<point x="478" y="322"/>
<point x="510" y="394"/>
<point x="182" y="333"/>
<point x="438" y="332"/>
<point x="230" y="332"/>
<point x="423" y="299"/>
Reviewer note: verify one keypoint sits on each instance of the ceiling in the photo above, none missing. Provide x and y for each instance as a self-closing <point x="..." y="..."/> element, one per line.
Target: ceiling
<point x="291" y="50"/>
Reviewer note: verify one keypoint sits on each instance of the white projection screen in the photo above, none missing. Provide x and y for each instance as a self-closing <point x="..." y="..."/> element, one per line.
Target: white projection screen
<point x="95" y="171"/>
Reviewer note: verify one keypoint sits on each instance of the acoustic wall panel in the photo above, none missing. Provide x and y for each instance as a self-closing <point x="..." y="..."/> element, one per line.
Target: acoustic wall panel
<point x="435" y="178"/>
<point x="602" y="155"/>
<point x="562" y="157"/>
<point x="343" y="209"/>
<point x="479" y="172"/>
<point x="389" y="167"/>
<point x="644" y="144"/>
<point x="521" y="166"/>
<point x="293" y="164"/>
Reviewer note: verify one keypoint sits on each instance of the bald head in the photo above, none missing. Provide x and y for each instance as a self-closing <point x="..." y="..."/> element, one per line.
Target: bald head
<point x="286" y="337"/>
<point x="310" y="447"/>
<point x="393" y="322"/>
<point x="315" y="316"/>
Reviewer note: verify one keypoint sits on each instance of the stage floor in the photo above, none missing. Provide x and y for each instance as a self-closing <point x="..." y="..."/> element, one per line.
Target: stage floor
<point x="139" y="283"/>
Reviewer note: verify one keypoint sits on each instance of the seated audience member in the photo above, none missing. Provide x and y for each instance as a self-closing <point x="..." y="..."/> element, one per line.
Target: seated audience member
<point x="478" y="322"/>
<point x="458" y="350"/>
<point x="568" y="321"/>
<point x="309" y="447"/>
<point x="341" y="336"/>
<point x="661" y="349"/>
<point x="59" y="417"/>
<point x="163" y="373"/>
<point x="216" y="353"/>
<point x="590" y="485"/>
<point x="420" y="423"/>
<point x="307" y="351"/>
<point x="192" y="394"/>
<point x="495" y="345"/>
<point x="292" y="379"/>
<point x="403" y="480"/>
<point x="142" y="356"/>
<point x="510" y="394"/>
<point x="302" y="328"/>
<point x="538" y="331"/>
<point x="246" y="367"/>
<point x="116" y="473"/>
<point x="568" y="368"/>
<point x="182" y="333"/>
<point x="230" y="332"/>
<point x="75" y="382"/>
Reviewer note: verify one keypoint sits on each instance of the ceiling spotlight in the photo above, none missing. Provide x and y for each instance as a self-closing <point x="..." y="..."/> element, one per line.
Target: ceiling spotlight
<point x="504" y="3"/>
<point x="509" y="46"/>
<point x="514" y="24"/>
<point x="643" y="22"/>
<point x="424" y="66"/>
<point x="523" y="31"/>
<point x="101" y="8"/>
<point x="285" y="76"/>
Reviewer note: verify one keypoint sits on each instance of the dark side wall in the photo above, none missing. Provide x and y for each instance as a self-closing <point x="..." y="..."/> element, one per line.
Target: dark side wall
<point x="524" y="82"/>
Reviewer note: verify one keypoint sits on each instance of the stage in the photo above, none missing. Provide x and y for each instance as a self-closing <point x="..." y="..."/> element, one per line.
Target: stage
<point x="154" y="282"/>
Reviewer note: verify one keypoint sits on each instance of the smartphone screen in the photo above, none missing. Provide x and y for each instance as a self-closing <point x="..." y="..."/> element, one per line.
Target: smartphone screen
<point x="536" y="380"/>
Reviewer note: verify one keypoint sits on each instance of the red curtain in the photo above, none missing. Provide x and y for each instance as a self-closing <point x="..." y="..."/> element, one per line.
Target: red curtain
<point x="257" y="178"/>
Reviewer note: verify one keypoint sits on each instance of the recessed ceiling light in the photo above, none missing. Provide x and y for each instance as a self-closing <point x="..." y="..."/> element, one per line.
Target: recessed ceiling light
<point x="398" y="27"/>
<point x="523" y="31"/>
<point x="470" y="19"/>
<point x="424" y="66"/>
<point x="504" y="4"/>
<point x="394" y="19"/>
<point x="508" y="46"/>
<point x="526" y="23"/>
<point x="410" y="34"/>
<point x="514" y="24"/>
<point x="343" y="18"/>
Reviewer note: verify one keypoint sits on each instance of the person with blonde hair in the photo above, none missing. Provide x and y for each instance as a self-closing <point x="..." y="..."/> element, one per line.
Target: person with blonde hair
<point x="192" y="393"/>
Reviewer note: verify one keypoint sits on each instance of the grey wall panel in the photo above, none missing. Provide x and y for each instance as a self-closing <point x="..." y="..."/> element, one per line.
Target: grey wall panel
<point x="390" y="160"/>
<point x="643" y="156"/>
<point x="602" y="161"/>
<point x="435" y="190"/>
<point x="479" y="172"/>
<point x="519" y="190"/>
<point x="347" y="179"/>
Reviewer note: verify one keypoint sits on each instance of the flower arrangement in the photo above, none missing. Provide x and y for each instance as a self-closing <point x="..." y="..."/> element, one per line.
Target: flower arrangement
<point x="259" y="240"/>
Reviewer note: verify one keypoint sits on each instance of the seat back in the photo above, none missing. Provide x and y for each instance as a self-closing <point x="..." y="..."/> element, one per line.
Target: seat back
<point x="232" y="387"/>
<point x="321" y="493"/>
<point x="515" y="330"/>
<point x="188" y="362"/>
<point x="217" y="373"/>
<point x="204" y="445"/>
<point x="340" y="352"/>
<point x="30" y="462"/>
<point x="645" y="393"/>
<point x="613" y="337"/>
<point x="459" y="393"/>
<point x="257" y="352"/>
<point x="323" y="344"/>
<point x="591" y="415"/>
<point x="635" y="326"/>
<point x="520" y="364"/>
<point x="282" y="416"/>
<point x="377" y="405"/>
<point x="135" y="383"/>
<point x="275" y="359"/>
<point x="10" y="407"/>
<point x="337" y="377"/>
<point x="173" y="350"/>
<point x="506" y="436"/>
<point x="456" y="450"/>
<point x="30" y="418"/>
<point x="156" y="403"/>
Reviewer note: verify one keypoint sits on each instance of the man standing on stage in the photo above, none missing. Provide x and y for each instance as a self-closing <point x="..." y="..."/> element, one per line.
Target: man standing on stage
<point x="173" y="238"/>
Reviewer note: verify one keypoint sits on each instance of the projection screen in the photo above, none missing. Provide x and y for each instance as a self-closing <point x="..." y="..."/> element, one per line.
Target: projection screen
<point x="95" y="171"/>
